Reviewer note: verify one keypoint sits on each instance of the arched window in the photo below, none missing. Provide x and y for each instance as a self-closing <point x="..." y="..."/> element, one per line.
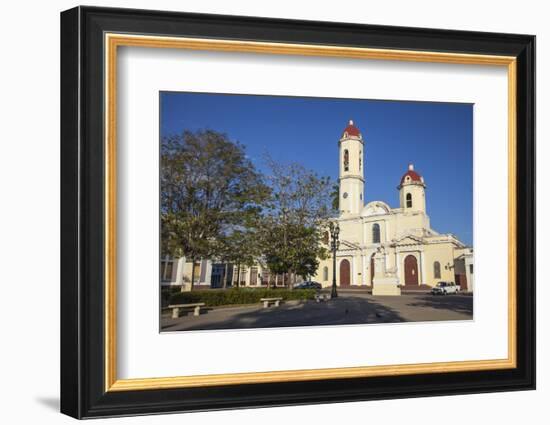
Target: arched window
<point x="346" y="160"/>
<point x="375" y="233"/>
<point x="437" y="270"/>
<point x="360" y="160"/>
<point x="409" y="199"/>
<point x="325" y="238"/>
<point x="325" y="273"/>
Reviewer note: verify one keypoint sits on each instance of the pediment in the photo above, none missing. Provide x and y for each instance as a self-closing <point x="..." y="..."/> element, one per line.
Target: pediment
<point x="409" y="240"/>
<point x="348" y="246"/>
<point x="375" y="208"/>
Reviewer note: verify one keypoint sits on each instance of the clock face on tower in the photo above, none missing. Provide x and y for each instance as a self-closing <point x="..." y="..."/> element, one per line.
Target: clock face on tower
<point x="345" y="195"/>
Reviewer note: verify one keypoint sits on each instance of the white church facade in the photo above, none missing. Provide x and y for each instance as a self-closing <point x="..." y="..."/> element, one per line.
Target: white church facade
<point x="387" y="248"/>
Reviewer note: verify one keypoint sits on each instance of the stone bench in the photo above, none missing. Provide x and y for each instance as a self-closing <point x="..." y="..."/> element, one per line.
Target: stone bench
<point x="177" y="307"/>
<point x="322" y="297"/>
<point x="267" y="301"/>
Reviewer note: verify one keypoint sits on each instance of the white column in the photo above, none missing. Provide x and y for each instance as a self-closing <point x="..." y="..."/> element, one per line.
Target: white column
<point x="180" y="263"/>
<point x="208" y="276"/>
<point x="363" y="273"/>
<point x="353" y="269"/>
<point x="337" y="272"/>
<point x="422" y="268"/>
<point x="398" y="264"/>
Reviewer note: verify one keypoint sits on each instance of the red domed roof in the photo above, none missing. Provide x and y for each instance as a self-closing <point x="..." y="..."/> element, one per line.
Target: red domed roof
<point x="415" y="177"/>
<point x="351" y="130"/>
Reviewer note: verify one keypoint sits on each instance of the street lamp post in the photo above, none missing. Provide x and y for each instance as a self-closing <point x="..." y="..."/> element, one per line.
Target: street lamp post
<point x="334" y="245"/>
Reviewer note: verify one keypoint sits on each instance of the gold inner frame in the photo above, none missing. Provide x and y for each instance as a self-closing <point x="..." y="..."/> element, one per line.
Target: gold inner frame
<point x="113" y="41"/>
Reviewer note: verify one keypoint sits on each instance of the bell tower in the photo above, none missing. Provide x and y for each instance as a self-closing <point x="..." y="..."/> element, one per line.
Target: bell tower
<point x="412" y="191"/>
<point x="351" y="177"/>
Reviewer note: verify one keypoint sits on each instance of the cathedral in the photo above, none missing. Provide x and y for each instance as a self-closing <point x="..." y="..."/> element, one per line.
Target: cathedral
<point x="385" y="248"/>
<point x="382" y="249"/>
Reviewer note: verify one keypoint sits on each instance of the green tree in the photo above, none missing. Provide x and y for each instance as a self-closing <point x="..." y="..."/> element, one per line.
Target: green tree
<point x="292" y="227"/>
<point x="208" y="187"/>
<point x="241" y="246"/>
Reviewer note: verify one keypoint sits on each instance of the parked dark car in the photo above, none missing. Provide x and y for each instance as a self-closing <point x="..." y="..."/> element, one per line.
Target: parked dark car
<point x="308" y="285"/>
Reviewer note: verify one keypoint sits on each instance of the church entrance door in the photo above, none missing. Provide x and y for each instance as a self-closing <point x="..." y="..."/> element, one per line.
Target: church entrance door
<point x="344" y="273"/>
<point x="411" y="270"/>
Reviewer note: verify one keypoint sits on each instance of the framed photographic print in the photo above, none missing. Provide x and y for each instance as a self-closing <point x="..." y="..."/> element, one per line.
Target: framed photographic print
<point x="261" y="212"/>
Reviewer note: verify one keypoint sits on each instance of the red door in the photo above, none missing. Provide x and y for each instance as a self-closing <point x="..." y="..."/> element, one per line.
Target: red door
<point x="411" y="270"/>
<point x="344" y="273"/>
<point x="460" y="279"/>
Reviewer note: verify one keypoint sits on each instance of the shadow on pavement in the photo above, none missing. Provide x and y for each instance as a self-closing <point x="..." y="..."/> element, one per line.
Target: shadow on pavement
<point x="340" y="311"/>
<point x="457" y="303"/>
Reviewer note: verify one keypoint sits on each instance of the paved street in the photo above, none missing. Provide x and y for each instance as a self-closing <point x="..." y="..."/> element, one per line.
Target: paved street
<point x="348" y="308"/>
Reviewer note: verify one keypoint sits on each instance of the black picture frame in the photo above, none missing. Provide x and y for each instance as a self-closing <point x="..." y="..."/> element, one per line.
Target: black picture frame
<point x="83" y="392"/>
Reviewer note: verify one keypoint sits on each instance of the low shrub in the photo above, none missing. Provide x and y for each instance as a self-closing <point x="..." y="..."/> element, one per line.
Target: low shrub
<point x="231" y="296"/>
<point x="166" y="293"/>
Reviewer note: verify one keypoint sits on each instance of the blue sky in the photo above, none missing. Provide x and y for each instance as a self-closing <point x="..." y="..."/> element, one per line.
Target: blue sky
<point x="436" y="137"/>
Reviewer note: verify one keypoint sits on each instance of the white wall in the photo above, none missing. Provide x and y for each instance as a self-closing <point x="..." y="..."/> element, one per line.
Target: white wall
<point x="29" y="225"/>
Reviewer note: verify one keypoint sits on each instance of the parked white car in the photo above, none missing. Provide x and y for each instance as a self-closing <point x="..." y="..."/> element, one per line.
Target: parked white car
<point x="445" y="288"/>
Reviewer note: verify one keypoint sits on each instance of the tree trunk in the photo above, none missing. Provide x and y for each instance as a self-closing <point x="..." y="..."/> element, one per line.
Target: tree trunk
<point x="238" y="275"/>
<point x="192" y="274"/>
<point x="224" y="281"/>
<point x="166" y="257"/>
